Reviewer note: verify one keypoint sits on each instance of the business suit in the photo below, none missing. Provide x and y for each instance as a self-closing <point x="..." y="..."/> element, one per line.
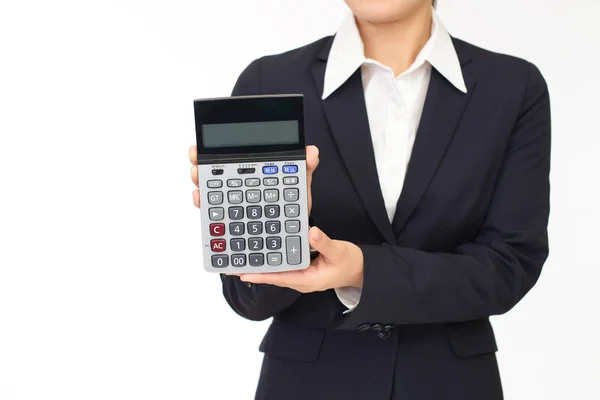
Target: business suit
<point x="468" y="239"/>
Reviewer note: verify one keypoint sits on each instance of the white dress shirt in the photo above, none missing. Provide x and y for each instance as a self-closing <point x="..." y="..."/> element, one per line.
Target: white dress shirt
<point x="394" y="105"/>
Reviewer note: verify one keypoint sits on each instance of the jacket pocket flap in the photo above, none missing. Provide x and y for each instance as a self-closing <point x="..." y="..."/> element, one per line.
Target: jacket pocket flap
<point x="292" y="341"/>
<point x="472" y="338"/>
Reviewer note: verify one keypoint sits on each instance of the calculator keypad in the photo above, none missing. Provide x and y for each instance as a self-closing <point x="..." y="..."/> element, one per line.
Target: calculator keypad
<point x="255" y="217"/>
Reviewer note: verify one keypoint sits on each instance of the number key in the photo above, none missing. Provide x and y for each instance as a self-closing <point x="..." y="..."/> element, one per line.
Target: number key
<point x="273" y="227"/>
<point x="238" y="260"/>
<point x="220" y="261"/>
<point x="237" y="244"/>
<point x="273" y="243"/>
<point x="255" y="243"/>
<point x="272" y="211"/>
<point x="254" y="212"/>
<point x="237" y="228"/>
<point x="236" y="213"/>
<point x="255" y="228"/>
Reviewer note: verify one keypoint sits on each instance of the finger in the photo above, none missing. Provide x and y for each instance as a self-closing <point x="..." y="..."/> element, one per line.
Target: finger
<point x="196" y="196"/>
<point x="194" y="173"/>
<point x="283" y="279"/>
<point x="312" y="159"/>
<point x="329" y="248"/>
<point x="194" y="155"/>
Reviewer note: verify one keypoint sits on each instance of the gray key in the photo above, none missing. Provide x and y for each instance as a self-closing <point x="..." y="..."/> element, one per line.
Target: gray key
<point x="254" y="228"/>
<point x="236" y="228"/>
<point x="235" y="196"/>
<point x="255" y="243"/>
<point x="272" y="211"/>
<point x="234" y="182"/>
<point x="252" y="181"/>
<point x="238" y="260"/>
<point x="291" y="210"/>
<point x="290" y="180"/>
<point x="292" y="226"/>
<point x="271" y="195"/>
<point x="274" y="258"/>
<point x="214" y="183"/>
<point x="253" y="212"/>
<point x="215" y="197"/>
<point x="270" y="181"/>
<point x="293" y="250"/>
<point x="291" y="194"/>
<point x="273" y="243"/>
<point x="216" y="213"/>
<point x="256" y="259"/>
<point x="272" y="227"/>
<point x="252" y="196"/>
<point x="220" y="261"/>
<point x="235" y="213"/>
<point x="237" y="245"/>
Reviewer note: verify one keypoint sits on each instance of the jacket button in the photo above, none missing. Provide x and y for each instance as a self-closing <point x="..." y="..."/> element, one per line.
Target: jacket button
<point x="385" y="332"/>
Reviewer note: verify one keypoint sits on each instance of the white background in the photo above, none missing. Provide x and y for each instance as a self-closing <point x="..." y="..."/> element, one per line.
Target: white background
<point x="102" y="294"/>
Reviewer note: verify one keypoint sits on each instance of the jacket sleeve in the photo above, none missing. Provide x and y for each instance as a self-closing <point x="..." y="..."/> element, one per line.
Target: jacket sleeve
<point x="254" y="301"/>
<point x="490" y="274"/>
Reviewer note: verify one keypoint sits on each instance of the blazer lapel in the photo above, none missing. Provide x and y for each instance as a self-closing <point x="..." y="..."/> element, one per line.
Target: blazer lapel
<point x="346" y="114"/>
<point x="442" y="112"/>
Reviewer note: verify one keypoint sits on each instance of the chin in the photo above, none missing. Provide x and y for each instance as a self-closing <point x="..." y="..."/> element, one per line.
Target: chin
<point x="382" y="11"/>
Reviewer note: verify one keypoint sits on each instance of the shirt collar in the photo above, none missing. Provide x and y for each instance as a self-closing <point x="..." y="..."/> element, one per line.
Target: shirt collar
<point x="347" y="55"/>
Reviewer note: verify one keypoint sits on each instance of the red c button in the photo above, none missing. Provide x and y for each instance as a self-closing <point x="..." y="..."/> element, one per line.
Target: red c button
<point x="217" y="229"/>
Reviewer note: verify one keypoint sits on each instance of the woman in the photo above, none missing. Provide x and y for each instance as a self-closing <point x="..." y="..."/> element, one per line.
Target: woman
<point x="431" y="200"/>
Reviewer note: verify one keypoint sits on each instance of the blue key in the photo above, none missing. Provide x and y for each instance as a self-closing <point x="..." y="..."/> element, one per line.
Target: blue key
<point x="269" y="170"/>
<point x="289" y="169"/>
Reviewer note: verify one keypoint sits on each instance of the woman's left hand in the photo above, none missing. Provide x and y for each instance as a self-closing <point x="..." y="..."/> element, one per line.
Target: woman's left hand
<point x="340" y="264"/>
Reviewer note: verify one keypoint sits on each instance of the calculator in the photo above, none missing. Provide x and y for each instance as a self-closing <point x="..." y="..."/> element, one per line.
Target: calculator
<point x="252" y="180"/>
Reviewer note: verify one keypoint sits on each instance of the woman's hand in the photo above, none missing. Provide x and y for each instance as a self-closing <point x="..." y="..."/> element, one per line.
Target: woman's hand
<point x="340" y="264"/>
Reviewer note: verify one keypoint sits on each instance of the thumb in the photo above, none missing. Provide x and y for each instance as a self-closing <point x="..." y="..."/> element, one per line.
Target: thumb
<point x="319" y="241"/>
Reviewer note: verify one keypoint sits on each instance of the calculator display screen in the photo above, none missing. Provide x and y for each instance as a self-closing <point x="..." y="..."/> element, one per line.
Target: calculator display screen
<point x="258" y="133"/>
<point x="249" y="125"/>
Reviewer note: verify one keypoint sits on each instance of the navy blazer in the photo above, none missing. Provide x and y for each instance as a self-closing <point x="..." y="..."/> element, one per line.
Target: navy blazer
<point x="468" y="239"/>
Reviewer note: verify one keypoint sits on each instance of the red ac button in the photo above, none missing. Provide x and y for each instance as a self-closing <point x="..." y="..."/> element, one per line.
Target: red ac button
<point x="217" y="245"/>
